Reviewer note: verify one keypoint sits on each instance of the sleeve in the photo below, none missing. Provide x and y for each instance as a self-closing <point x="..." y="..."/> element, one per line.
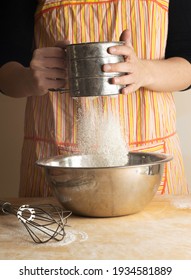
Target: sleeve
<point x="17" y="25"/>
<point x="179" y="30"/>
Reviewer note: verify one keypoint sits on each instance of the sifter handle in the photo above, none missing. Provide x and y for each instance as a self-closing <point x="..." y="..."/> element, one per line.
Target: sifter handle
<point x="62" y="90"/>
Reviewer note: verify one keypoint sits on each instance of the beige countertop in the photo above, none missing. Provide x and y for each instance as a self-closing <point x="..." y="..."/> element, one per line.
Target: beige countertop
<point x="161" y="231"/>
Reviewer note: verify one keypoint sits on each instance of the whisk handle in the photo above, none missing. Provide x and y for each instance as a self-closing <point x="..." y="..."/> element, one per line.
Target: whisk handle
<point x="5" y="207"/>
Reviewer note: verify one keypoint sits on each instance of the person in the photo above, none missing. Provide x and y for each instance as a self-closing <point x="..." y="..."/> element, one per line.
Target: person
<point x="157" y="56"/>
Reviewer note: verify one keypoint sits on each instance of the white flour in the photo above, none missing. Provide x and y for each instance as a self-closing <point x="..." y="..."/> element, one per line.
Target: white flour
<point x="100" y="134"/>
<point x="70" y="237"/>
<point x="22" y="238"/>
<point x="181" y="202"/>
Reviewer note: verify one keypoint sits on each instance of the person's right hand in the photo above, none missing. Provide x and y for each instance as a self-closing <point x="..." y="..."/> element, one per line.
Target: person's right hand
<point x="49" y="68"/>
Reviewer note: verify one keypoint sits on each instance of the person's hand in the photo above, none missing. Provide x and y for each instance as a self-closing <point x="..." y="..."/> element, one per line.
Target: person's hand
<point x="49" y="68"/>
<point x="132" y="66"/>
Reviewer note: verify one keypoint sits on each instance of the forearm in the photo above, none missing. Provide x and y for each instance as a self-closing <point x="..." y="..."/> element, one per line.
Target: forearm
<point x="16" y="80"/>
<point x="48" y="70"/>
<point x="171" y="74"/>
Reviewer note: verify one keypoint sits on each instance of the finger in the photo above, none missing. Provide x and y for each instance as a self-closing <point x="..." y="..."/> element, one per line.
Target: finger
<point x="123" y="80"/>
<point x="122" y="67"/>
<point x="49" y="63"/>
<point x="44" y="83"/>
<point x="129" y="89"/>
<point x="125" y="35"/>
<point x="49" y="75"/>
<point x="56" y="84"/>
<point x="62" y="44"/>
<point x="54" y="74"/>
<point x="49" y="52"/>
<point x="121" y="50"/>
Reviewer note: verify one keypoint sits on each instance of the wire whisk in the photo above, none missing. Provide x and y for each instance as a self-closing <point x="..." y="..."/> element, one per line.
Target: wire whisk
<point x="43" y="222"/>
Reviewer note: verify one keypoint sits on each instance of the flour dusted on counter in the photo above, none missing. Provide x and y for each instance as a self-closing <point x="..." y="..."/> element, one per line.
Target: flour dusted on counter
<point x="99" y="133"/>
<point x="22" y="239"/>
<point x="181" y="202"/>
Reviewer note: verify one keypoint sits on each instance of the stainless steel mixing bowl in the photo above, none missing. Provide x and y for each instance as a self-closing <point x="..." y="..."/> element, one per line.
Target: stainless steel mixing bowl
<point x="88" y="190"/>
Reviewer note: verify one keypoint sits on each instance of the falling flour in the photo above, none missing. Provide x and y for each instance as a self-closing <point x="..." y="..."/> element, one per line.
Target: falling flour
<point x="100" y="134"/>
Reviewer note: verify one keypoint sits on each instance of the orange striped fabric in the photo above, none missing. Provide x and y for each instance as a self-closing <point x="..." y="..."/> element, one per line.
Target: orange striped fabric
<point x="148" y="118"/>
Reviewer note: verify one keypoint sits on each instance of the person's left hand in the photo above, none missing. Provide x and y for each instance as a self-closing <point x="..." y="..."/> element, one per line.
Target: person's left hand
<point x="132" y="65"/>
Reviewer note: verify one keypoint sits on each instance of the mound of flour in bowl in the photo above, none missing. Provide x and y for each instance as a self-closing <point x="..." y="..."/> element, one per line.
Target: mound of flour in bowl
<point x="100" y="134"/>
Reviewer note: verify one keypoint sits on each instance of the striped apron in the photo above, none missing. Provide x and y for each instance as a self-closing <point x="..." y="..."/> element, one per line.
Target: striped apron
<point x="148" y="118"/>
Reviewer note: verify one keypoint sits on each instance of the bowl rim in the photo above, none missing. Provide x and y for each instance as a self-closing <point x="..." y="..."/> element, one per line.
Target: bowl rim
<point x="163" y="158"/>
